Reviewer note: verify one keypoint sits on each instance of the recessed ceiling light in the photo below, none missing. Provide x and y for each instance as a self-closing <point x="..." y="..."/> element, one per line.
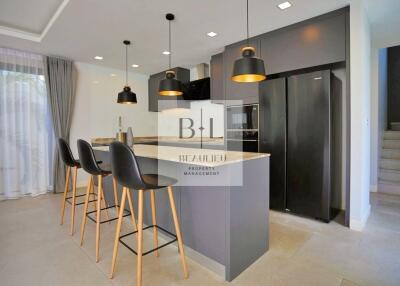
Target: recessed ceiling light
<point x="135" y="66"/>
<point x="166" y="52"/>
<point x="284" y="5"/>
<point x="113" y="74"/>
<point x="98" y="58"/>
<point x="212" y="34"/>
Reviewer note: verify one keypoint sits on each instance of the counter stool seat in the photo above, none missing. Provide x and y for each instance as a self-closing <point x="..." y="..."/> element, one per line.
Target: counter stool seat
<point x="126" y="172"/>
<point x="105" y="169"/>
<point x="154" y="181"/>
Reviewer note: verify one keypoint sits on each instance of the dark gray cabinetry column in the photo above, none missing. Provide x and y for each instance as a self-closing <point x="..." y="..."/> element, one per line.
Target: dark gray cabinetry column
<point x="217" y="78"/>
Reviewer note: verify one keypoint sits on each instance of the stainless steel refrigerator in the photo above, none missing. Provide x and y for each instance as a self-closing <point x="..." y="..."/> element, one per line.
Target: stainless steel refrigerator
<point x="300" y="125"/>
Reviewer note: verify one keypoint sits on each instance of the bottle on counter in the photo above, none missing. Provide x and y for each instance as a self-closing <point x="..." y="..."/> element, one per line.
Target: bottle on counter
<point x="129" y="137"/>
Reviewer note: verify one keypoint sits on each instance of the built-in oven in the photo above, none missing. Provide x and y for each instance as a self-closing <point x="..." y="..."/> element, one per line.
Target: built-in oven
<point x="242" y="128"/>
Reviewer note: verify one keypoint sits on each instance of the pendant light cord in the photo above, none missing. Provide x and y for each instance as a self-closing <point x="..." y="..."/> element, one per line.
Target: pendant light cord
<point x="247" y="21"/>
<point x="169" y="45"/>
<point x="126" y="65"/>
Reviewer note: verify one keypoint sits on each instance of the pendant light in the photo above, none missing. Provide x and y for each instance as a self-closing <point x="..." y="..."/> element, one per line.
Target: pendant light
<point x="170" y="86"/>
<point x="126" y="96"/>
<point x="248" y="68"/>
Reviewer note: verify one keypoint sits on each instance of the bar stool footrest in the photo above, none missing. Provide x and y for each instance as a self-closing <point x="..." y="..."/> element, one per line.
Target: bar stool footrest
<point x="128" y="213"/>
<point x="67" y="199"/>
<point x="154" y="249"/>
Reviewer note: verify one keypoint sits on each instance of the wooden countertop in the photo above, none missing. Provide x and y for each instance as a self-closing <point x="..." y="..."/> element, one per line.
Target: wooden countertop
<point x="193" y="156"/>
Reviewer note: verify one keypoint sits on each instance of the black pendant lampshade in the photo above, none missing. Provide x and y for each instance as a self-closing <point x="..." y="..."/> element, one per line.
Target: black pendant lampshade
<point x="170" y="86"/>
<point x="248" y="68"/>
<point x="126" y="96"/>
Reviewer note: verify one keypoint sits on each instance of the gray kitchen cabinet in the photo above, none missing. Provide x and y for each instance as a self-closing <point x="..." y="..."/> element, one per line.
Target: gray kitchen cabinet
<point x="247" y="92"/>
<point x="217" y="79"/>
<point x="182" y="74"/>
<point x="315" y="42"/>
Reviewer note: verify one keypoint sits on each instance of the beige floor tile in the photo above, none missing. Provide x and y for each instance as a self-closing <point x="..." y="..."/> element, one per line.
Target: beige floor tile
<point x="346" y="282"/>
<point x="34" y="247"/>
<point x="286" y="240"/>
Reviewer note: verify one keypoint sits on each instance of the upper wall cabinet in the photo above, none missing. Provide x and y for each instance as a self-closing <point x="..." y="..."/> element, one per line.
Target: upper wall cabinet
<point x="217" y="79"/>
<point x="154" y="81"/>
<point x="248" y="92"/>
<point x="311" y="43"/>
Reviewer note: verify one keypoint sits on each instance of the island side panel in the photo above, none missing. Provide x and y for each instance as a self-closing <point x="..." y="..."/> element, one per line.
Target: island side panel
<point x="247" y="217"/>
<point x="203" y="220"/>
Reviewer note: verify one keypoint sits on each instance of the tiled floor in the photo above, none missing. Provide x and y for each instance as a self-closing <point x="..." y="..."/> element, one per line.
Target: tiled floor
<point x="35" y="250"/>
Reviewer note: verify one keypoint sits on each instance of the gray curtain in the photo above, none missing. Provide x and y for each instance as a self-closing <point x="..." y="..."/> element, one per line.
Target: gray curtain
<point x="61" y="78"/>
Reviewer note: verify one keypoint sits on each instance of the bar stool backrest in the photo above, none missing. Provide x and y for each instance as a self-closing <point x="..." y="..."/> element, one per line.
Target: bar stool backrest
<point x="87" y="158"/>
<point x="65" y="152"/>
<point x="125" y="167"/>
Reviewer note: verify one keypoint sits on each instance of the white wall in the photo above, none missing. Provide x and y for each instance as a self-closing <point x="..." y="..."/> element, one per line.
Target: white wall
<point x="96" y="110"/>
<point x="378" y="109"/>
<point x="360" y="65"/>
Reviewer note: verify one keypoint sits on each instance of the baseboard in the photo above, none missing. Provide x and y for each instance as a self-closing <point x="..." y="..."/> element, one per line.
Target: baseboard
<point x="358" y="225"/>
<point x="374" y="188"/>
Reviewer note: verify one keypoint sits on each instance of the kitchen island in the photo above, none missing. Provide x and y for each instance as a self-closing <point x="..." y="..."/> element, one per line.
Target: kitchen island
<point x="222" y="200"/>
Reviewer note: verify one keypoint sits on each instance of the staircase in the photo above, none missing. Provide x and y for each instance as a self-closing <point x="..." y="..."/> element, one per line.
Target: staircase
<point x="389" y="165"/>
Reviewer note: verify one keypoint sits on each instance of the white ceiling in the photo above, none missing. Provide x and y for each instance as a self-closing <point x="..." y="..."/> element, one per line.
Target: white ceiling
<point x="85" y="28"/>
<point x="31" y="16"/>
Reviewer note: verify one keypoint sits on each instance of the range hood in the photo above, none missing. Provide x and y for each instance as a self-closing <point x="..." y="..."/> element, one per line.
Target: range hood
<point x="199" y="88"/>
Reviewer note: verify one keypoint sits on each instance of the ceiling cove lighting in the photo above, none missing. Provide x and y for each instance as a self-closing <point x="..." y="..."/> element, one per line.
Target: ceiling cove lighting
<point x="170" y="86"/>
<point x="126" y="96"/>
<point x="212" y="34"/>
<point x="98" y="58"/>
<point x="248" y="68"/>
<point x="284" y="5"/>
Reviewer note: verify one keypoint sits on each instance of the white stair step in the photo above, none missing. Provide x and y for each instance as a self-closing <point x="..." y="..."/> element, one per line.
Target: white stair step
<point x="388" y="187"/>
<point x="389" y="175"/>
<point x="391" y="135"/>
<point x="395" y="126"/>
<point x="390" y="164"/>
<point x="391" y="144"/>
<point x="390" y="154"/>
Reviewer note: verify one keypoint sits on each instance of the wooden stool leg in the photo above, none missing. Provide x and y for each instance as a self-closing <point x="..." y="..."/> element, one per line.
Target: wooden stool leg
<point x="105" y="205"/>
<point x="99" y="197"/>
<point x="118" y="231"/>
<point x="85" y="208"/>
<point x="93" y="197"/>
<point x="115" y="188"/>
<point x="131" y="209"/>
<point x="139" y="240"/>
<point x="154" y="220"/>
<point x="65" y="195"/>
<point x="73" y="200"/>
<point x="178" y="231"/>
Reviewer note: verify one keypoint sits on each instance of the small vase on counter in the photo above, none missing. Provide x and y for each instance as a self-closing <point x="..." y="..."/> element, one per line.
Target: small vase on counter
<point x="129" y="137"/>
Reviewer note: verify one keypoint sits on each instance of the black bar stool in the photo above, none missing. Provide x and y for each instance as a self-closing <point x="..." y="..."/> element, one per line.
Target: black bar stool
<point x="126" y="171"/>
<point x="71" y="163"/>
<point x="90" y="165"/>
